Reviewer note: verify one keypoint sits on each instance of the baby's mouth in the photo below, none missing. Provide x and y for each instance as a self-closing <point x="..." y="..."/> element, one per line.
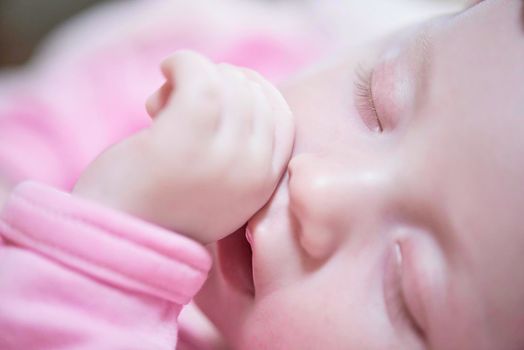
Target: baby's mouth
<point x="235" y="260"/>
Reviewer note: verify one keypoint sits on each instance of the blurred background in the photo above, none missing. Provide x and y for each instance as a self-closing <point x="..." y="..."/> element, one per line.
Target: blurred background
<point x="23" y="23"/>
<point x="85" y="82"/>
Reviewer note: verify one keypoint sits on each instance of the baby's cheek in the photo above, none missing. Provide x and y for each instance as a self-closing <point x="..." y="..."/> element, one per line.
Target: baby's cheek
<point x="309" y="316"/>
<point x="282" y="321"/>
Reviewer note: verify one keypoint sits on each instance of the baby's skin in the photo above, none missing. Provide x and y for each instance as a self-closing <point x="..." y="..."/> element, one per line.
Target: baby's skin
<point x="397" y="223"/>
<point x="221" y="139"/>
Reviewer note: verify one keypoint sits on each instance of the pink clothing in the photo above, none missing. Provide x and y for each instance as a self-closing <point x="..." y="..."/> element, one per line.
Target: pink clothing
<point x="87" y="86"/>
<point x="75" y="275"/>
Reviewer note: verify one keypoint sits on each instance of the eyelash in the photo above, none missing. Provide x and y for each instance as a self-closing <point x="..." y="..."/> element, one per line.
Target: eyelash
<point x="364" y="96"/>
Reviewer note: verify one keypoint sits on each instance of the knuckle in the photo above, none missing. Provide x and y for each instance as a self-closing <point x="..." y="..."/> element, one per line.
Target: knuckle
<point x="232" y="72"/>
<point x="203" y="103"/>
<point x="208" y="92"/>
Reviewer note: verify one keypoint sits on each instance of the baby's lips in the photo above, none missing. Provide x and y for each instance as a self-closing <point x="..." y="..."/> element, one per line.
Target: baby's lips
<point x="156" y="102"/>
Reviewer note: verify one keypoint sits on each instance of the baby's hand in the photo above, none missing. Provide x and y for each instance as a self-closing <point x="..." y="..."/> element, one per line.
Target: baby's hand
<point x="220" y="141"/>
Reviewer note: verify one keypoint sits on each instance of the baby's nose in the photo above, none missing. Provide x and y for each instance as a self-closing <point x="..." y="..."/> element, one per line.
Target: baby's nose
<point x="329" y="197"/>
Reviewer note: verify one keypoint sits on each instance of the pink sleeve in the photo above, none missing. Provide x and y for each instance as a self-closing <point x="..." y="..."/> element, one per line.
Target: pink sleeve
<point x="75" y="275"/>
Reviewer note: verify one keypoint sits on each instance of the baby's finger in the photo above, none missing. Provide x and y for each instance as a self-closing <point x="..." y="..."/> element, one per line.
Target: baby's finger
<point x="274" y="95"/>
<point x="156" y="102"/>
<point x="187" y="69"/>
<point x="197" y="90"/>
<point x="263" y="126"/>
<point x="238" y="104"/>
<point x="284" y="130"/>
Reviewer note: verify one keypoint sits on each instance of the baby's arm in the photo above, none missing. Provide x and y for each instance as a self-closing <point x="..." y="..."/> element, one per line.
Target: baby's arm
<point x="75" y="274"/>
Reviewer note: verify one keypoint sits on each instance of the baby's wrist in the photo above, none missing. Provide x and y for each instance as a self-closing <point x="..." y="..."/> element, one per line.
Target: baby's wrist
<point x="98" y="193"/>
<point x="133" y="196"/>
<point x="114" y="179"/>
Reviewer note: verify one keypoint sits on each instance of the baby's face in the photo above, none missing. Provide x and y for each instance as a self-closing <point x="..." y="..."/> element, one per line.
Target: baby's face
<point x="399" y="223"/>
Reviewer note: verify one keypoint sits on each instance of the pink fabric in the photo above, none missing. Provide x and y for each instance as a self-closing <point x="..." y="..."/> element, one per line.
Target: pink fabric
<point x="87" y="87"/>
<point x="74" y="275"/>
<point x="77" y="276"/>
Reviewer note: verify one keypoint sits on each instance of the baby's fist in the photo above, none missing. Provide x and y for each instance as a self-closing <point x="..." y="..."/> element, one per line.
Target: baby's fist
<point x="220" y="141"/>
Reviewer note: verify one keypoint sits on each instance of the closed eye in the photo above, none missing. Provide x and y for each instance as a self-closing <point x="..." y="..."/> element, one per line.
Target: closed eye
<point x="364" y="101"/>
